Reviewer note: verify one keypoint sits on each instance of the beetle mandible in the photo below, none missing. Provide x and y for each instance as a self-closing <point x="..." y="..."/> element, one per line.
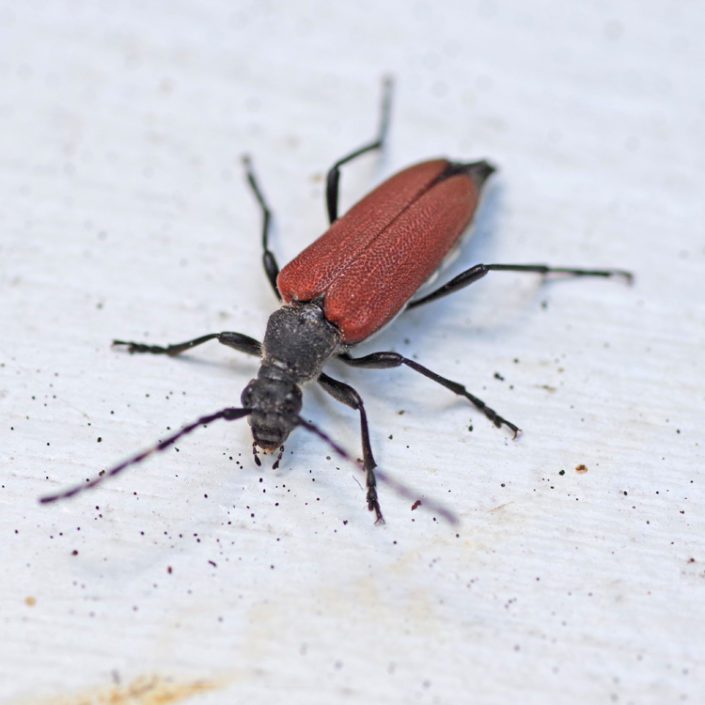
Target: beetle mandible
<point x="350" y="282"/>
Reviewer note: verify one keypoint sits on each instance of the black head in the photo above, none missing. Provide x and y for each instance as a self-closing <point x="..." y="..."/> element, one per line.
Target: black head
<point x="275" y="405"/>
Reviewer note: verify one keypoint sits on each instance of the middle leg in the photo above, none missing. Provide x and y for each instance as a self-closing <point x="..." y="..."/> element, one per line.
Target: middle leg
<point x="381" y="360"/>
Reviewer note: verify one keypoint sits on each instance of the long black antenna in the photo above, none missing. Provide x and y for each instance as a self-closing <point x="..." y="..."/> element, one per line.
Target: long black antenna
<point x="399" y="487"/>
<point x="408" y="493"/>
<point x="312" y="428"/>
<point x="229" y="414"/>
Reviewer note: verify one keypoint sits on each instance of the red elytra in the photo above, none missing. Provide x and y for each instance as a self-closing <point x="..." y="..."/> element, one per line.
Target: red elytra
<point x="371" y="261"/>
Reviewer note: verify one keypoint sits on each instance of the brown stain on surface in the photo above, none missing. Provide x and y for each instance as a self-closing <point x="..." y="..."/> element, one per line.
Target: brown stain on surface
<point x="145" y="690"/>
<point x="581" y="469"/>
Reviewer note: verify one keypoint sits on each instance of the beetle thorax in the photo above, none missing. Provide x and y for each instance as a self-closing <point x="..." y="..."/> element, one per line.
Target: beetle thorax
<point x="298" y="341"/>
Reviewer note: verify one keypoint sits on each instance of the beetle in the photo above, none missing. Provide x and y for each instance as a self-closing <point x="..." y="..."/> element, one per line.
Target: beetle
<point x="344" y="287"/>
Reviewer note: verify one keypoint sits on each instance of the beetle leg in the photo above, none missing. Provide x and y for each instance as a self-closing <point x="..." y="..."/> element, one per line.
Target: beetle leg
<point x="271" y="268"/>
<point x="333" y="177"/>
<point x="382" y="360"/>
<point x="469" y="276"/>
<point x="347" y="395"/>
<point x="239" y="341"/>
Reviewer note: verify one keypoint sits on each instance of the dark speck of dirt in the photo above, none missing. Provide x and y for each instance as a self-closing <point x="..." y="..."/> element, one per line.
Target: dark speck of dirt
<point x="213" y="563"/>
<point x="169" y="569"/>
<point x="690" y="560"/>
<point x="498" y="376"/>
<point x="416" y="505"/>
<point x="561" y="472"/>
<point x="581" y="469"/>
<point x="74" y="552"/>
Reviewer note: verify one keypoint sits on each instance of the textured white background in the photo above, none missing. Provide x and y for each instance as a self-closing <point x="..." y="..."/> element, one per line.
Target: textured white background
<point x="124" y="213"/>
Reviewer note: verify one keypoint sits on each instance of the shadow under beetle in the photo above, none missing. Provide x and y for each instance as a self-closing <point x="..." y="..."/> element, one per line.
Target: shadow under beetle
<point x="344" y="287"/>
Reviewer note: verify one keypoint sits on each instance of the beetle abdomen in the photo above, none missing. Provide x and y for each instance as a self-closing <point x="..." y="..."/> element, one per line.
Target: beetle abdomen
<point x="369" y="263"/>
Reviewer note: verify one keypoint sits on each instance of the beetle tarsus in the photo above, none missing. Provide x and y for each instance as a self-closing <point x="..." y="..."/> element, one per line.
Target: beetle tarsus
<point x="133" y="348"/>
<point x="372" y="499"/>
<point x="495" y="418"/>
<point x="379" y="518"/>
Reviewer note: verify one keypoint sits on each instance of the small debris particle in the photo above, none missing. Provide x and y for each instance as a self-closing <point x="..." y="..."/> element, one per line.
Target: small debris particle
<point x="582" y="469"/>
<point x="498" y="376"/>
<point x="561" y="472"/>
<point x="213" y="563"/>
<point x="74" y="552"/>
<point x="30" y="601"/>
<point x="169" y="569"/>
<point x="416" y="505"/>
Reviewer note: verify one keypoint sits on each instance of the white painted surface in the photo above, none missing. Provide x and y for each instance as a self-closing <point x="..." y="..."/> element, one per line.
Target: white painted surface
<point x="124" y="213"/>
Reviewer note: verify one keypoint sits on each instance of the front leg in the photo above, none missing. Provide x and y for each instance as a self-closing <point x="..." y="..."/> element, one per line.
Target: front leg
<point x="347" y="395"/>
<point x="381" y="360"/>
<point x="238" y="341"/>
